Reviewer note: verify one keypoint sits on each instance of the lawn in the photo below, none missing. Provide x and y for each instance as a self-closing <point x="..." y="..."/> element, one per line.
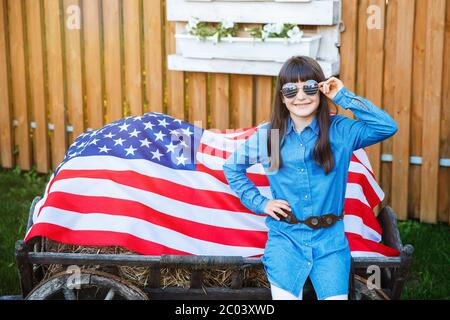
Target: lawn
<point x="428" y="280"/>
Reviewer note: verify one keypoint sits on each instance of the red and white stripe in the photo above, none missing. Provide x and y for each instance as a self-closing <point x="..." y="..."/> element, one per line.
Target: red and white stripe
<point x="154" y="210"/>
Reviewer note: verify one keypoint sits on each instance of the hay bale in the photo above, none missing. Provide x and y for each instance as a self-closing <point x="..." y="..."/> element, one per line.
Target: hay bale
<point x="170" y="277"/>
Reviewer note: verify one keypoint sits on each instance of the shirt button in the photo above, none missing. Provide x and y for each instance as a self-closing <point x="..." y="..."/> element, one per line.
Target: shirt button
<point x="302" y="169"/>
<point x="306" y="197"/>
<point x="309" y="263"/>
<point x="301" y="144"/>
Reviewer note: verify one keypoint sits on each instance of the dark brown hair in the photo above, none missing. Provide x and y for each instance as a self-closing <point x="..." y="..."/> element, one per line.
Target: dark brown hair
<point x="301" y="68"/>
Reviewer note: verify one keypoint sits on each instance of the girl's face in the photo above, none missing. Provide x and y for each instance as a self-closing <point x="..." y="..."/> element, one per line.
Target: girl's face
<point x="302" y="105"/>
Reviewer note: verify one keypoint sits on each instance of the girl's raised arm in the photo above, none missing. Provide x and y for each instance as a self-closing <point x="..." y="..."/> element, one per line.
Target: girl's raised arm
<point x="373" y="124"/>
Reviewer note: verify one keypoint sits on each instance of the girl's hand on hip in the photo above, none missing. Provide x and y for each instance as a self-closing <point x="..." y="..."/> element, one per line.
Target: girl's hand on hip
<point x="276" y="206"/>
<point x="331" y="87"/>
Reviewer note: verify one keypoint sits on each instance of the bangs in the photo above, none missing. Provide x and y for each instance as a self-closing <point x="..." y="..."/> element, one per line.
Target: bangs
<point x="300" y="70"/>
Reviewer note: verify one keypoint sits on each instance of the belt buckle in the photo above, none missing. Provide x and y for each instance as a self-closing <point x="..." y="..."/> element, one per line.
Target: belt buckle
<point x="291" y="218"/>
<point x="324" y="221"/>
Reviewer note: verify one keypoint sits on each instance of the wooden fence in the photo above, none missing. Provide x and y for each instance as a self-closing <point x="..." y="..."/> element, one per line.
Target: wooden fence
<point x="57" y="80"/>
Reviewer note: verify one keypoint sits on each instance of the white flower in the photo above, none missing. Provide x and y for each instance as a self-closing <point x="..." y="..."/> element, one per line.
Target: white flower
<point x="192" y="23"/>
<point x="269" y="28"/>
<point x="227" y="24"/>
<point x="279" y="28"/>
<point x="295" y="35"/>
<point x="230" y="38"/>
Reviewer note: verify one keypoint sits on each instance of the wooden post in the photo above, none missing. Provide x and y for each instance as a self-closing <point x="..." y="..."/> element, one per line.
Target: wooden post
<point x="401" y="274"/>
<point x="196" y="278"/>
<point x="237" y="277"/>
<point x="24" y="267"/>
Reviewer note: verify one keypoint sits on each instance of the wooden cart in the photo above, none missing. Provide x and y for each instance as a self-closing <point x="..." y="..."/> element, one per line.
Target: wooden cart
<point x="105" y="284"/>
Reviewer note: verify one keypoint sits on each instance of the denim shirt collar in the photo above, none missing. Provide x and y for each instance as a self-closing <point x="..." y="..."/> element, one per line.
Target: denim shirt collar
<point x="314" y="125"/>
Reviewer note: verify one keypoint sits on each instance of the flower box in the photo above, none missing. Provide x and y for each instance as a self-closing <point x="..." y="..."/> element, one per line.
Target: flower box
<point x="247" y="48"/>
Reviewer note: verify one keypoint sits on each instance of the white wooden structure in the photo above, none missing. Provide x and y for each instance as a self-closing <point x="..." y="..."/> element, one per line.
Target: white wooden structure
<point x="322" y="18"/>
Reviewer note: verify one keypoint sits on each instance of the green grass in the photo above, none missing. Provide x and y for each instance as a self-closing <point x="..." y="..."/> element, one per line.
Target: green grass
<point x="17" y="190"/>
<point x="428" y="280"/>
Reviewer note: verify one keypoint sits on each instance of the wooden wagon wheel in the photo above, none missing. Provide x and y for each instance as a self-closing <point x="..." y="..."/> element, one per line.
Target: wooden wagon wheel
<point x="89" y="285"/>
<point x="362" y="292"/>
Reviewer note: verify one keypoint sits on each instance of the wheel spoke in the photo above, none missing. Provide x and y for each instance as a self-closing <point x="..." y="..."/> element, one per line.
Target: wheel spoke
<point x="110" y="294"/>
<point x="69" y="294"/>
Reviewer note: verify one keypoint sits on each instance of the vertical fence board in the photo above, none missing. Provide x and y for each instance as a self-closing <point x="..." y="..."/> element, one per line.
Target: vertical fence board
<point x="374" y="82"/>
<point x="417" y="107"/>
<point x="389" y="87"/>
<point x="362" y="43"/>
<point x="348" y="49"/>
<point x="431" y="118"/>
<point x="55" y="80"/>
<point x="175" y="79"/>
<point x="94" y="97"/>
<point x="241" y="100"/>
<point x="402" y="106"/>
<point x="153" y="22"/>
<point x="133" y="72"/>
<point x="6" y="141"/>
<point x="263" y="98"/>
<point x="19" y="90"/>
<point x="198" y="98"/>
<point x="113" y="61"/>
<point x="220" y="101"/>
<point x="36" y="70"/>
<point x="444" y="172"/>
<point x="74" y="68"/>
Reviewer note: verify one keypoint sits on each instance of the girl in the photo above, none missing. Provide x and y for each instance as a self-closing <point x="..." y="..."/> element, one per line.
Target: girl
<point x="308" y="177"/>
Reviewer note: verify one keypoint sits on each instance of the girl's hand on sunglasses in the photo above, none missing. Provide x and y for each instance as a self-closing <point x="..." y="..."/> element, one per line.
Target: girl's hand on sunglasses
<point x="274" y="207"/>
<point x="331" y="87"/>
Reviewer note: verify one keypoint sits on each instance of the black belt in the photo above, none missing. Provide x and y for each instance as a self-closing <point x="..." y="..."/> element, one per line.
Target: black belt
<point x="314" y="222"/>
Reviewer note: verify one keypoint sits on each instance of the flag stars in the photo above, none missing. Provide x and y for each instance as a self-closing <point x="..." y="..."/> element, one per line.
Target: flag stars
<point x="145" y="143"/>
<point x="175" y="133"/>
<point x="109" y="135"/>
<point x="130" y="150"/>
<point x="181" y="160"/>
<point x="159" y="136"/>
<point x="187" y="132"/>
<point x="157" y="154"/>
<point x="124" y="127"/>
<point x="119" y="141"/>
<point x="148" y="125"/>
<point x="94" y="142"/>
<point x="103" y="149"/>
<point x="163" y="123"/>
<point x="171" y="147"/>
<point x="134" y="133"/>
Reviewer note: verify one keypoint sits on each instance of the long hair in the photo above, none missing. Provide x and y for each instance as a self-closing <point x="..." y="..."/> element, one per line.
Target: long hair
<point x="301" y="68"/>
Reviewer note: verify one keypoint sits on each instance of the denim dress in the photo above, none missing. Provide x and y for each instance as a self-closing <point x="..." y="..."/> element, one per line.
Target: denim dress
<point x="295" y="251"/>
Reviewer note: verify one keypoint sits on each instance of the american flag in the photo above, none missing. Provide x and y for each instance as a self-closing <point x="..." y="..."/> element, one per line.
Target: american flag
<point x="154" y="184"/>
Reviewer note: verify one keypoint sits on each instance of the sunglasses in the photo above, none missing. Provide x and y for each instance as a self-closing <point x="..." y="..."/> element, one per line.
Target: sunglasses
<point x="290" y="89"/>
